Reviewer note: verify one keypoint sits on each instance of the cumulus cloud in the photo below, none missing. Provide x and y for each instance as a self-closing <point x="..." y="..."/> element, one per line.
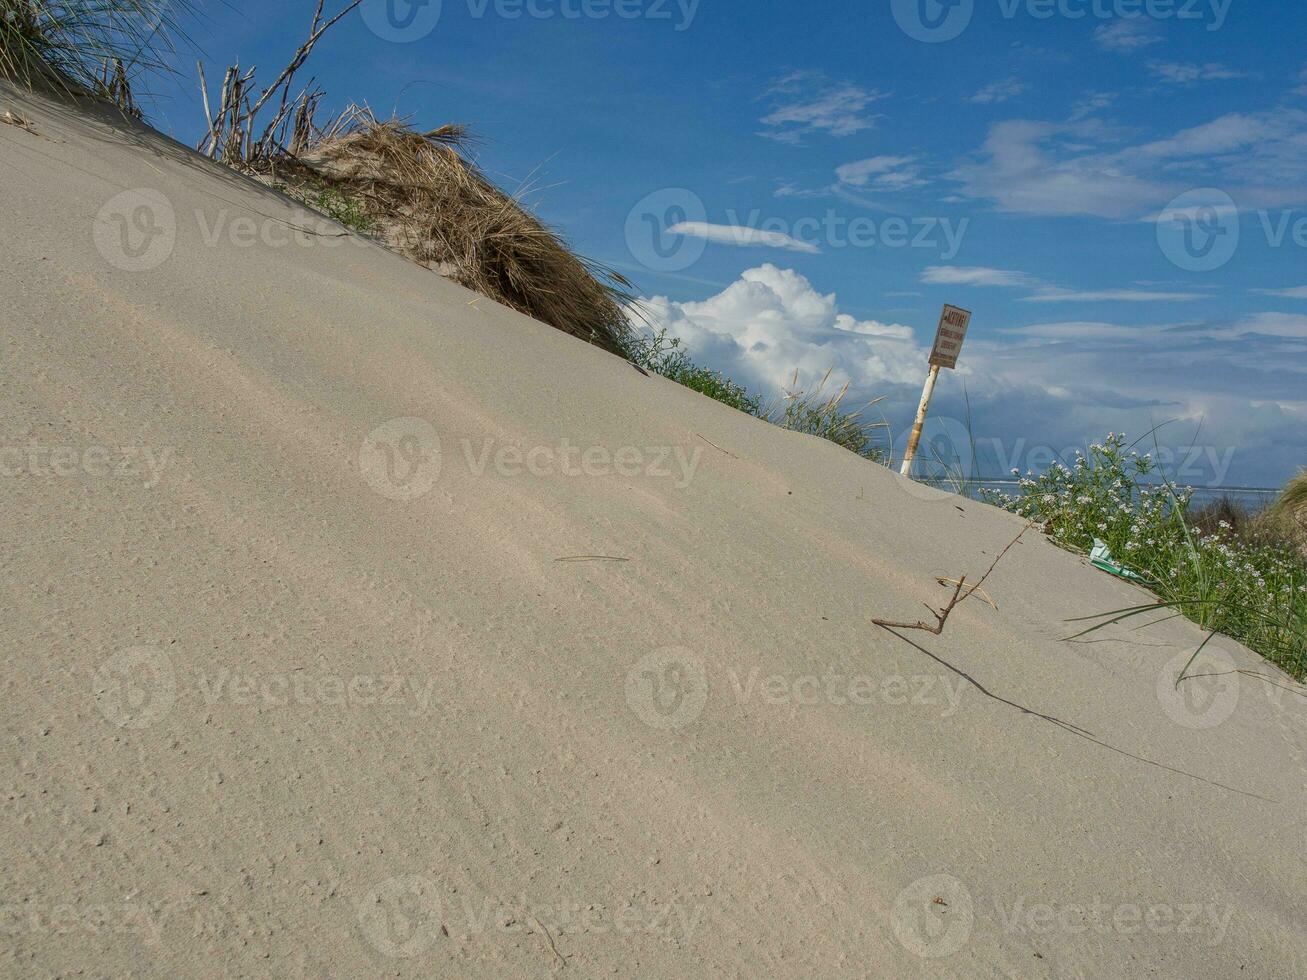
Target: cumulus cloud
<point x="1053" y="384"/>
<point x="772" y="322"/>
<point x="741" y="235"/>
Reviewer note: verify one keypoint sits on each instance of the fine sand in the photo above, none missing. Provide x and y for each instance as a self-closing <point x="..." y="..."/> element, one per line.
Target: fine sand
<point x="290" y="690"/>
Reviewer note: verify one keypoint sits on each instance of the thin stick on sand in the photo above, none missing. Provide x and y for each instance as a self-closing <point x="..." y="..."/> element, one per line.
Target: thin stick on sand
<point x="961" y="593"/>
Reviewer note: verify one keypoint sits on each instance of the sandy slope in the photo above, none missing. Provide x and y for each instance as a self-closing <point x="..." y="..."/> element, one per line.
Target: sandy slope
<point x="279" y="701"/>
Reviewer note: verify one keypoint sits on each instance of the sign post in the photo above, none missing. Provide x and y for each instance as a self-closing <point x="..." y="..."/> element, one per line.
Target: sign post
<point x="952" y="332"/>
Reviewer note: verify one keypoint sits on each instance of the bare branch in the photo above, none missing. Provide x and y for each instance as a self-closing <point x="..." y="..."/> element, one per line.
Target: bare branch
<point x="959" y="596"/>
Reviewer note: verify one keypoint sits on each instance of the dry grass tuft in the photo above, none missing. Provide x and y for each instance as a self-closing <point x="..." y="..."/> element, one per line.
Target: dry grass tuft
<point x="423" y="196"/>
<point x="86" y="47"/>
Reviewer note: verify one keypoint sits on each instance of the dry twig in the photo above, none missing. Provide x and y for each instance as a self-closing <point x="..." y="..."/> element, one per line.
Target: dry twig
<point x="961" y="593"/>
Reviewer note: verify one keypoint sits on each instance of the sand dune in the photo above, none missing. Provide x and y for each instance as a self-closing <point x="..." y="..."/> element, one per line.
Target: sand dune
<point x="299" y="683"/>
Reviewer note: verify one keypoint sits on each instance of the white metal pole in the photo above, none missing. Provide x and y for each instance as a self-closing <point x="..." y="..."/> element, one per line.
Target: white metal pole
<point x="922" y="409"/>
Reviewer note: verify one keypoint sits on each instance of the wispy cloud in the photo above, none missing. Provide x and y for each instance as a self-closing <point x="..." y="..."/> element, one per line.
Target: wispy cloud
<point x="999" y="91"/>
<point x="742" y="235"/>
<point x="1180" y="73"/>
<point x="1297" y="292"/>
<point x="884" y="172"/>
<point x="1075" y="167"/>
<point x="1053" y="294"/>
<point x="971" y="275"/>
<point x="805" y="103"/>
<point x="1091" y="104"/>
<point x="1126" y="35"/>
<point x="1077" y="330"/>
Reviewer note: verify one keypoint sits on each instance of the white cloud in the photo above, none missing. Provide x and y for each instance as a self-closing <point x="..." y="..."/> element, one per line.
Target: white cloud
<point x="805" y="103"/>
<point x="1060" y="168"/>
<point x="885" y="172"/>
<point x="963" y="275"/>
<point x="1181" y="73"/>
<point x="999" y="92"/>
<point x="742" y="235"/>
<point x="1053" y="294"/>
<point x="1126" y="35"/>
<point x="1091" y="103"/>
<point x="1055" y="385"/>
<point x="1297" y="292"/>
<point x="1076" y="330"/>
<point x="1292" y="325"/>
<point x="771" y="322"/>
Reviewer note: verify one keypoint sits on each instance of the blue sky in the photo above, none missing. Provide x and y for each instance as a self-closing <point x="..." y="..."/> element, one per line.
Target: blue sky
<point x="1115" y="188"/>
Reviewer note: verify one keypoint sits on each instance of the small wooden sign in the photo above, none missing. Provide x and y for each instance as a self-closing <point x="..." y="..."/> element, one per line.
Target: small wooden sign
<point x="948" y="339"/>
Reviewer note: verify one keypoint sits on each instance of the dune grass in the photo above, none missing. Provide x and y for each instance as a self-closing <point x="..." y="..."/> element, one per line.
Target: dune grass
<point x="87" y="47"/>
<point x="662" y="354"/>
<point x="816" y="412"/>
<point x="422" y="194"/>
<point x="1247" y="580"/>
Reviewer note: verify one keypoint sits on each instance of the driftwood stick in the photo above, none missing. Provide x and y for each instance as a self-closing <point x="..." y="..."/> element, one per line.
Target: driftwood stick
<point x="959" y="596"/>
<point x="305" y="49"/>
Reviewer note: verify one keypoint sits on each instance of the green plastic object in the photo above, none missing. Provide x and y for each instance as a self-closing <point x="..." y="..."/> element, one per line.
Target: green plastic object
<point x="1101" y="557"/>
